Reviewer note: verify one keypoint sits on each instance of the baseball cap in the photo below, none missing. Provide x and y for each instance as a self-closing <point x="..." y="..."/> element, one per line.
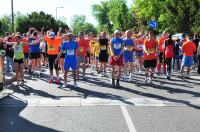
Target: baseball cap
<point x="117" y="32"/>
<point x="51" y="34"/>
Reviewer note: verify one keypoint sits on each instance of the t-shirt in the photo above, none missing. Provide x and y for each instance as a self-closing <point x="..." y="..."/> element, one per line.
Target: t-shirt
<point x="83" y="47"/>
<point x="92" y="45"/>
<point x="53" y="45"/>
<point x="9" y="50"/>
<point x="70" y="48"/>
<point x="96" y="49"/>
<point x="169" y="48"/>
<point x="150" y="46"/>
<point x="188" y="48"/>
<point x="18" y="51"/>
<point x="116" y="45"/>
<point x="103" y="43"/>
<point x="34" y="48"/>
<point x="25" y="47"/>
<point x="161" y="44"/>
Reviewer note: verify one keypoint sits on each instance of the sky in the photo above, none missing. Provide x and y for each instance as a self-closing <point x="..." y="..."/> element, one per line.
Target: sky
<point x="70" y="8"/>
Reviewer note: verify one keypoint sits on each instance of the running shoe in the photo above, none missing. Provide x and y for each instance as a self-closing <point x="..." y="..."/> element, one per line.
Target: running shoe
<point x="50" y="80"/>
<point x="64" y="85"/>
<point x="57" y="81"/>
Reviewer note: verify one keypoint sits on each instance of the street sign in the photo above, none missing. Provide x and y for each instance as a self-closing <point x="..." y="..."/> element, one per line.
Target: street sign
<point x="153" y="24"/>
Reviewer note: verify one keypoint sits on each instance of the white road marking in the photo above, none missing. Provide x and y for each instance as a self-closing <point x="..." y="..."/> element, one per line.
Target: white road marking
<point x="128" y="120"/>
<point x="92" y="101"/>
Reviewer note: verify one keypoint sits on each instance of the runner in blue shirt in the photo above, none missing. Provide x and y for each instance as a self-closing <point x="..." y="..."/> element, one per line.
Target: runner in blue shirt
<point x="70" y="46"/>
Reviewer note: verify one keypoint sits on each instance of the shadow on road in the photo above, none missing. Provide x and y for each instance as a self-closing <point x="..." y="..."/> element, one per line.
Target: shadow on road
<point x="11" y="121"/>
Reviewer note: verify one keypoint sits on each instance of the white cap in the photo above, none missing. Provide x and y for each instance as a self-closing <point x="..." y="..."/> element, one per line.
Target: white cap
<point x="117" y="31"/>
<point x="51" y="34"/>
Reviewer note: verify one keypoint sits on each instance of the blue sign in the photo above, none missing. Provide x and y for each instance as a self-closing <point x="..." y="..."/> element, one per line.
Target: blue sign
<point x="153" y="24"/>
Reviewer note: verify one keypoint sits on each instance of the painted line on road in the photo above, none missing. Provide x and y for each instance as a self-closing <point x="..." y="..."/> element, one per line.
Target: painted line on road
<point x="92" y="101"/>
<point x="128" y="120"/>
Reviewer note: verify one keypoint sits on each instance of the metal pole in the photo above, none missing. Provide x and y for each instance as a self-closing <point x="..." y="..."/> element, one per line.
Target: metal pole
<point x="12" y="15"/>
<point x="56" y="12"/>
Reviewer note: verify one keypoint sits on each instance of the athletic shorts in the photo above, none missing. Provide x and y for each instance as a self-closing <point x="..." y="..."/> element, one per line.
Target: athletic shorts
<point x="80" y="59"/>
<point x="34" y="55"/>
<point x="26" y="55"/>
<point x="51" y="59"/>
<point x="187" y="61"/>
<point x="118" y="62"/>
<point x="103" y="57"/>
<point x="150" y="63"/>
<point x="70" y="63"/>
<point x="128" y="57"/>
<point x="19" y="61"/>
<point x="139" y="53"/>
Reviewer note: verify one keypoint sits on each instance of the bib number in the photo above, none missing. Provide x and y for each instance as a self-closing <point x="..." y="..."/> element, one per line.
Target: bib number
<point x="70" y="52"/>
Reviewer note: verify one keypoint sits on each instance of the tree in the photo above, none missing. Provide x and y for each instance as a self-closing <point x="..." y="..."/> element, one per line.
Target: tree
<point x="79" y="24"/>
<point x="172" y="15"/>
<point x="100" y="12"/>
<point x="114" y="14"/>
<point x="38" y="20"/>
<point x="5" y="24"/>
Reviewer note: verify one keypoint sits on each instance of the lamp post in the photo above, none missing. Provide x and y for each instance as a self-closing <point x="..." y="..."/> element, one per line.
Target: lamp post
<point x="57" y="11"/>
<point x="12" y="15"/>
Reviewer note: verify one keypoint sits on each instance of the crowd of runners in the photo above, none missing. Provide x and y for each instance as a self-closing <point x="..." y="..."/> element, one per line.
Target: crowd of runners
<point x="125" y="53"/>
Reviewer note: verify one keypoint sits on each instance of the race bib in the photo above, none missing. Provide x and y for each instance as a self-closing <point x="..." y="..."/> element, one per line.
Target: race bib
<point x="117" y="46"/>
<point x="130" y="48"/>
<point x="80" y="49"/>
<point x="18" y="49"/>
<point x="140" y="46"/>
<point x="151" y="51"/>
<point x="51" y="47"/>
<point x="70" y="52"/>
<point x="103" y="47"/>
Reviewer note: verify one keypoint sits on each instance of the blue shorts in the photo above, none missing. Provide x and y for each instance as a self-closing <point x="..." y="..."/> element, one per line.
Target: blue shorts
<point x="128" y="57"/>
<point x="70" y="63"/>
<point x="187" y="61"/>
<point x="139" y="53"/>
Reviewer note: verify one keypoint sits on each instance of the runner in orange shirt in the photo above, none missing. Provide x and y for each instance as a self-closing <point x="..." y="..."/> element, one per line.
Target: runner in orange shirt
<point x="188" y="49"/>
<point x="150" y="56"/>
<point x="53" y="44"/>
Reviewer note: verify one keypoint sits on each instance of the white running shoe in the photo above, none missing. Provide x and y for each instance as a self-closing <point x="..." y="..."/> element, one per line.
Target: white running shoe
<point x="131" y="76"/>
<point x="150" y="81"/>
<point x="101" y="74"/>
<point x="125" y="79"/>
<point x="64" y="85"/>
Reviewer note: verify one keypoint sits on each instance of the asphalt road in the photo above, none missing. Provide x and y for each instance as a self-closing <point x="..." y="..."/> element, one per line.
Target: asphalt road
<point x="165" y="106"/>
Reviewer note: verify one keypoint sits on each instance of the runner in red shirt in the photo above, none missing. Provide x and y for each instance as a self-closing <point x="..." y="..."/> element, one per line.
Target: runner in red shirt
<point x="150" y="56"/>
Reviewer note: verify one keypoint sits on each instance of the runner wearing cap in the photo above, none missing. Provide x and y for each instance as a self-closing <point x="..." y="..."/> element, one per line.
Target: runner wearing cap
<point x="70" y="46"/>
<point x="53" y="44"/>
<point x="116" y="47"/>
<point x="188" y="49"/>
<point x="150" y="48"/>
<point x="129" y="46"/>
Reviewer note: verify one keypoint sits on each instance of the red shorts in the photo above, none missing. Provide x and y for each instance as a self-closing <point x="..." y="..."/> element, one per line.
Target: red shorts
<point x="118" y="62"/>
